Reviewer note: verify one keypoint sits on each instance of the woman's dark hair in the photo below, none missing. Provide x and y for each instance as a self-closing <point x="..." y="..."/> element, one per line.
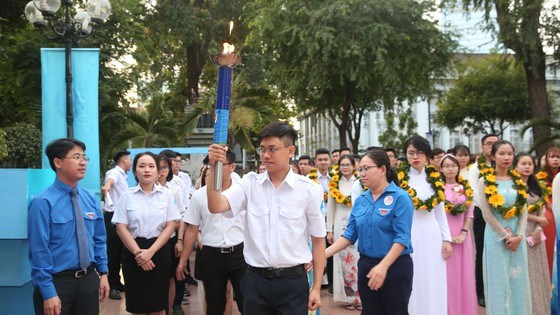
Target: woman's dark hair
<point x="461" y="148"/>
<point x="533" y="187"/>
<point x="347" y="156"/>
<point x="550" y="172"/>
<point x="380" y="158"/>
<point x="419" y="143"/>
<point x="454" y="160"/>
<point x="138" y="156"/>
<point x="294" y="163"/>
<point x="167" y="161"/>
<point x="496" y="146"/>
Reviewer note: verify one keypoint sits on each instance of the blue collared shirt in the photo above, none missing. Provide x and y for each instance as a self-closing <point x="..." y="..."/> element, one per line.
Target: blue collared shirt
<point x="53" y="245"/>
<point x="380" y="223"/>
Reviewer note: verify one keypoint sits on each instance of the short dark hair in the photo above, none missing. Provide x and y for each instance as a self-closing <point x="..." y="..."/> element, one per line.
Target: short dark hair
<point x="167" y="161"/>
<point x="281" y="130"/>
<point x="389" y="149"/>
<point x="304" y="157"/>
<point x="335" y="151"/>
<point x="436" y="151"/>
<point x="119" y="155"/>
<point x="138" y="156"/>
<point x="58" y="148"/>
<point x="349" y="157"/>
<point x="169" y="153"/>
<point x="488" y="136"/>
<point x="345" y="149"/>
<point x="461" y="148"/>
<point x="322" y="151"/>
<point x="230" y="156"/>
<point x="419" y="143"/>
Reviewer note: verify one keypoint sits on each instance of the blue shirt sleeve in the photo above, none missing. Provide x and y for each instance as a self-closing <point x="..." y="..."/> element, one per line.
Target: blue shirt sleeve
<point x="100" y="240"/>
<point x="351" y="232"/>
<point x="402" y="220"/>
<point x="41" y="261"/>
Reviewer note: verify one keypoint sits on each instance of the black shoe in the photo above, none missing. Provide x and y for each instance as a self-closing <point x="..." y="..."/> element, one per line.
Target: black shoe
<point x="178" y="310"/>
<point x="114" y="294"/>
<point x="330" y="289"/>
<point x="481" y="301"/>
<point x="120" y="287"/>
<point x="190" y="280"/>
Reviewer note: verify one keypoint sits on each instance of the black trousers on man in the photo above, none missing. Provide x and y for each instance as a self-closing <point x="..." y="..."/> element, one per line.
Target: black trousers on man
<point x="114" y="252"/>
<point x="79" y="296"/>
<point x="478" y="230"/>
<point x="220" y="265"/>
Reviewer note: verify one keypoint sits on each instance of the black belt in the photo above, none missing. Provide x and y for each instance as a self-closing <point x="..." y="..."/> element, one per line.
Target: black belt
<point x="279" y="272"/>
<point x="225" y="250"/>
<point x="79" y="273"/>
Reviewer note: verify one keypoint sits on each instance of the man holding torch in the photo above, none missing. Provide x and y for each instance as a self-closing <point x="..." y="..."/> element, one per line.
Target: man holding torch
<point x="282" y="212"/>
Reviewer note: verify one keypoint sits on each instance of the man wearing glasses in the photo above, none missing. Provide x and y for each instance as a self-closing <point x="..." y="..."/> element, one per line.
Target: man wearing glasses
<point x="478" y="223"/>
<point x="67" y="238"/>
<point x="282" y="213"/>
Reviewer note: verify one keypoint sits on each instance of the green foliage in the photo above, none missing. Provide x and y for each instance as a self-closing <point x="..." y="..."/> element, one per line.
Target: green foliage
<point x="327" y="54"/>
<point x="3" y="146"/>
<point x="395" y="136"/>
<point x="23" y="142"/>
<point x="487" y="96"/>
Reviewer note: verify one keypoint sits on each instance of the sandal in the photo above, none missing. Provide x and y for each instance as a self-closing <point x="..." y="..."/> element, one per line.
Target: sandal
<point x="350" y="307"/>
<point x="358" y="307"/>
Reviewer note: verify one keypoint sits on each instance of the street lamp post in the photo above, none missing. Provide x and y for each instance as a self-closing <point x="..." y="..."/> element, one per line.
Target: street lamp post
<point x="41" y="13"/>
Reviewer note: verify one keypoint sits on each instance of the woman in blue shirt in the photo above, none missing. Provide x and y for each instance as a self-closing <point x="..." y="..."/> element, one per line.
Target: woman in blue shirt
<point x="381" y="218"/>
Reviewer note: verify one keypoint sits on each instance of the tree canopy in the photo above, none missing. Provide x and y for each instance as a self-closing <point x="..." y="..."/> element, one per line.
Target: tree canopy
<point x="487" y="96"/>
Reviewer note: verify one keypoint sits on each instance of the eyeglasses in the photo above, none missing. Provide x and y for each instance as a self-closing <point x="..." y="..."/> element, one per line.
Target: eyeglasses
<point x="449" y="166"/>
<point x="366" y="168"/>
<point x="271" y="150"/>
<point x="77" y="157"/>
<point x="345" y="165"/>
<point x="415" y="153"/>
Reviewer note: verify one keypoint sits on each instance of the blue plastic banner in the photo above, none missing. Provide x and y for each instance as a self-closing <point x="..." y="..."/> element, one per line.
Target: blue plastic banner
<point x="85" y="88"/>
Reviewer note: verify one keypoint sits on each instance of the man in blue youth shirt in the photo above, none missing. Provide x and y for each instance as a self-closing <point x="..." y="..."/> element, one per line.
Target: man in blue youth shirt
<point x="65" y="249"/>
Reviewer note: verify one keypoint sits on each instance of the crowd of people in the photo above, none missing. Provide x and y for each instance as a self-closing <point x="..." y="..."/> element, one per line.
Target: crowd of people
<point x="414" y="231"/>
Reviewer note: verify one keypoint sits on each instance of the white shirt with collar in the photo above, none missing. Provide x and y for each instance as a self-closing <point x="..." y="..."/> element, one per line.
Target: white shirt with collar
<point x="324" y="180"/>
<point x="216" y="230"/>
<point x="279" y="221"/>
<point x="184" y="191"/>
<point x="120" y="186"/>
<point x="146" y="215"/>
<point x="188" y="182"/>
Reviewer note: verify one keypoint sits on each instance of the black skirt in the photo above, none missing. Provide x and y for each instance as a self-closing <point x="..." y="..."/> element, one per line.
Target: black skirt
<point x="146" y="291"/>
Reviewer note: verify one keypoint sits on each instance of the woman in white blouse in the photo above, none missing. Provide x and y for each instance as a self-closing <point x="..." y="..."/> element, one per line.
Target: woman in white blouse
<point x="339" y="206"/>
<point x="146" y="216"/>
<point x="431" y="238"/>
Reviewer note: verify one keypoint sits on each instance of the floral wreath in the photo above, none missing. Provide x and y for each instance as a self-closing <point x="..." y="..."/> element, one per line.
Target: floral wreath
<point x="546" y="191"/>
<point x="467" y="191"/>
<point x="497" y="201"/>
<point x="482" y="166"/>
<point x="315" y="177"/>
<point x="334" y="190"/>
<point x="433" y="177"/>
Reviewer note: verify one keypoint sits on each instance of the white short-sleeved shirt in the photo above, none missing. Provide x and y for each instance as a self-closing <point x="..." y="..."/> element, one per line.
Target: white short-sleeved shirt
<point x="280" y="220"/>
<point x="120" y="186"/>
<point x="176" y="180"/>
<point x="188" y="182"/>
<point x="146" y="215"/>
<point x="216" y="230"/>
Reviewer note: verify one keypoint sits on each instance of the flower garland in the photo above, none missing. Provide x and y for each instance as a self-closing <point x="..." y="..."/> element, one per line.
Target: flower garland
<point x="482" y="166"/>
<point x="456" y="209"/>
<point x="315" y="177"/>
<point x="334" y="189"/>
<point x="546" y="191"/>
<point x="497" y="201"/>
<point x="433" y="177"/>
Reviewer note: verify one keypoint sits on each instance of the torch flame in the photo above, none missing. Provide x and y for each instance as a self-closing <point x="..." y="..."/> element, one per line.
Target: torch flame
<point x="230" y="27"/>
<point x="228" y="48"/>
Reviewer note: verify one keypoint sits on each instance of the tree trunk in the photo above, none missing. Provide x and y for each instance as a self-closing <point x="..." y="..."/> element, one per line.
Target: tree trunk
<point x="538" y="101"/>
<point x="196" y="58"/>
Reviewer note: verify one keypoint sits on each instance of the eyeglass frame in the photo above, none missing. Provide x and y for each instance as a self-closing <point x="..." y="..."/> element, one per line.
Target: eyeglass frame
<point x="262" y="150"/>
<point x="76" y="157"/>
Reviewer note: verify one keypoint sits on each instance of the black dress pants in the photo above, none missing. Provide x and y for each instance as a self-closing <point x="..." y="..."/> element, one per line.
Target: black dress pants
<point x="478" y="230"/>
<point x="114" y="251"/>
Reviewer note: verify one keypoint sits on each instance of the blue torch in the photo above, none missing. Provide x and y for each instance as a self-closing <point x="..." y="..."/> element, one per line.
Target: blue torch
<point x="226" y="61"/>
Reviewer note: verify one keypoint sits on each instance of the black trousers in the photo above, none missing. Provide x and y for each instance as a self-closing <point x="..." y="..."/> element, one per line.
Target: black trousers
<point x="393" y="297"/>
<point x="217" y="269"/>
<point x="329" y="266"/>
<point x="114" y="251"/>
<point x="79" y="296"/>
<point x="478" y="230"/>
<point x="274" y="296"/>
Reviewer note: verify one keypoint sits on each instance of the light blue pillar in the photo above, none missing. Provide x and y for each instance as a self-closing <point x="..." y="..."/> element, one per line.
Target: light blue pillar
<point x="85" y="91"/>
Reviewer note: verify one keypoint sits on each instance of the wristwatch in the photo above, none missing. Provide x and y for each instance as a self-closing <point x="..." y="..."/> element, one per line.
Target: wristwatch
<point x="102" y="273"/>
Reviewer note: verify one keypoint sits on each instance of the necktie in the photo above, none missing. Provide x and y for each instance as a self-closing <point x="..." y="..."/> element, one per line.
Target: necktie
<point x="83" y="251"/>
